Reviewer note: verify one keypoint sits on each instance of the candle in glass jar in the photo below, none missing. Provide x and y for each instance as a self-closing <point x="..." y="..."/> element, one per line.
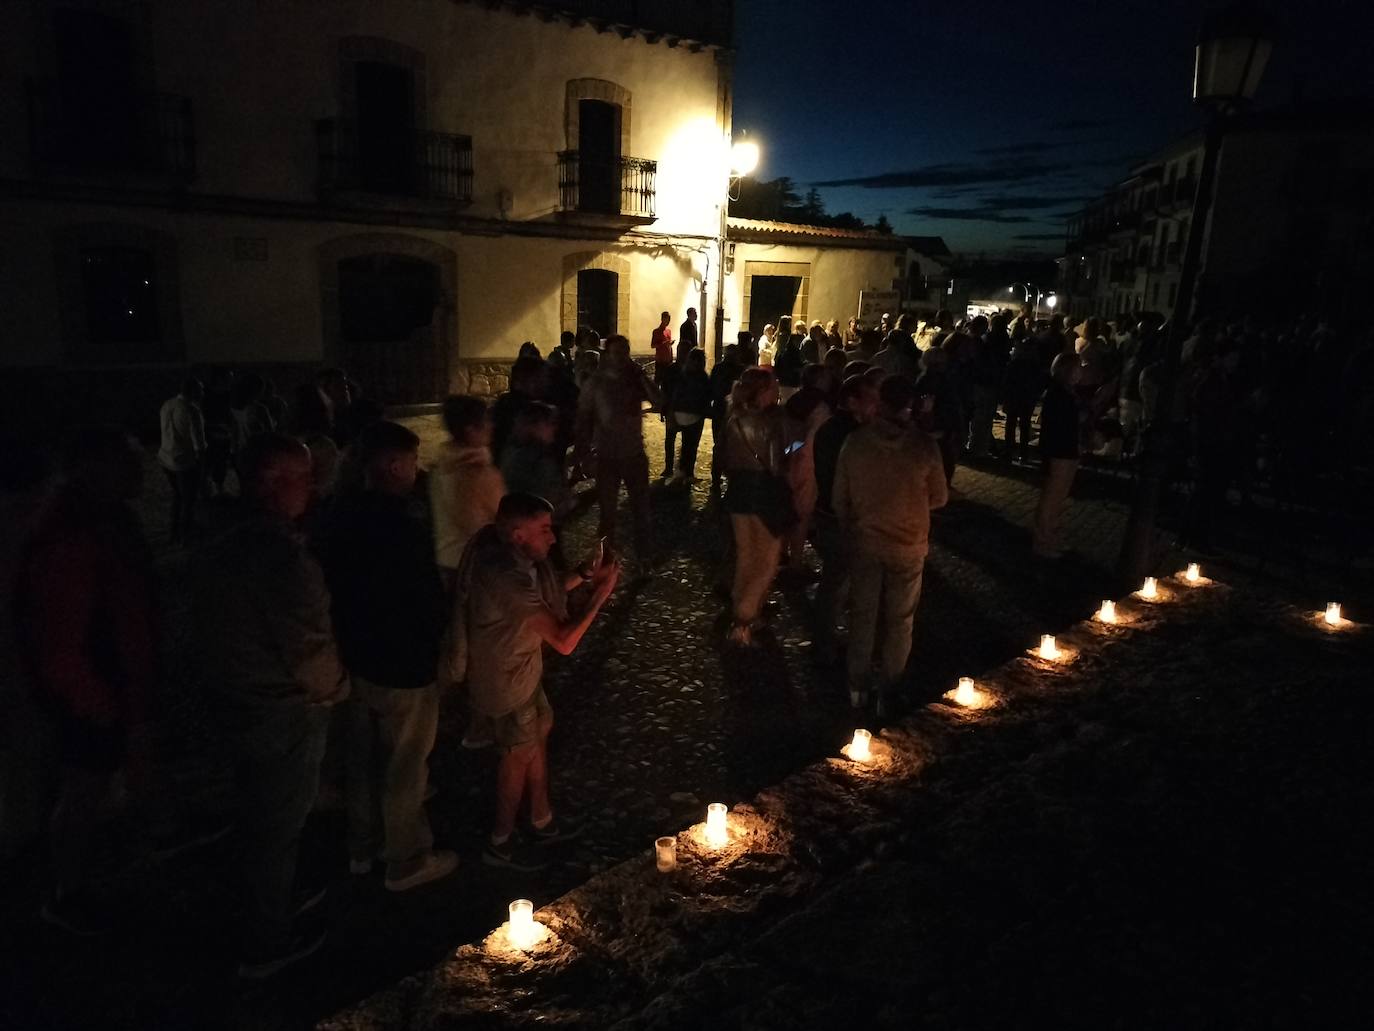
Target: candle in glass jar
<point x="858" y="747"/>
<point x="1194" y="573"/>
<point x="715" y="823"/>
<point x="1333" y="613"/>
<point x="1048" y="648"/>
<point x="1107" y="613"/>
<point x="523" y="931"/>
<point x="966" y="693"/>
<point x="1149" y="589"/>
<point x="665" y="854"/>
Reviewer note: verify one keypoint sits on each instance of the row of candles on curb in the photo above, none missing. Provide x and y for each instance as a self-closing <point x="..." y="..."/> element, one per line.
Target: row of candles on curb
<point x="525" y="932"/>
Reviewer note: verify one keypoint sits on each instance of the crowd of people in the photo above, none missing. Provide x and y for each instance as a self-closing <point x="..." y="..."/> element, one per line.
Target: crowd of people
<point x="356" y="590"/>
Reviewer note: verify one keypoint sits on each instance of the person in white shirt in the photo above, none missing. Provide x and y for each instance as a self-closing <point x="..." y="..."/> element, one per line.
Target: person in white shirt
<point x="182" y="453"/>
<point x="768" y="345"/>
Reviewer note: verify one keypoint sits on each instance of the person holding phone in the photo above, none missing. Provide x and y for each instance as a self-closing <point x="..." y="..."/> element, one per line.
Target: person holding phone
<point x="511" y="603"/>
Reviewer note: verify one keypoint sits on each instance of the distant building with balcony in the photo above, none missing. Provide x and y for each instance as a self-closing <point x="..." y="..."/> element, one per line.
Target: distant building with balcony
<point x="1291" y="227"/>
<point x="406" y="188"/>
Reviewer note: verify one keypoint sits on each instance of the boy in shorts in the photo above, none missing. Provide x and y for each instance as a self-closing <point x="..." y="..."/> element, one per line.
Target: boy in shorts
<point x="511" y="603"/>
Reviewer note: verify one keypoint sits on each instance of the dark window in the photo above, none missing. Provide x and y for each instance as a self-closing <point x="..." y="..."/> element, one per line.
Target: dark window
<point x="598" y="148"/>
<point x="1173" y="294"/>
<point x="119" y="287"/>
<point x="597" y="293"/>
<point x="385" y="297"/>
<point x="96" y="92"/>
<point x="386" y="124"/>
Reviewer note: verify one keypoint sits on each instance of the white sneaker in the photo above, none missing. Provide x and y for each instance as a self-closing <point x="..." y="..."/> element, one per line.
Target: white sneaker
<point x="436" y="865"/>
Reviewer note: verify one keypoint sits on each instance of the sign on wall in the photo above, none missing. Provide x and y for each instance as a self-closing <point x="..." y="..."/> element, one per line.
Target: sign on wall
<point x="873" y="303"/>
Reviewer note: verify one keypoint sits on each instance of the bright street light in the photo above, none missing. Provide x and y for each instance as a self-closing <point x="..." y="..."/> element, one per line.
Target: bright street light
<point x="744" y="158"/>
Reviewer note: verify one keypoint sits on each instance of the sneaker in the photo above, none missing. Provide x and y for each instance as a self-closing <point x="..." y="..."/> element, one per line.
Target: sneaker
<point x="475" y="741"/>
<point x="171" y="842"/>
<point x="306" y="899"/>
<point x="75" y="916"/>
<point x="436" y="865"/>
<point x="302" y="946"/>
<point x="555" y="832"/>
<point x="360" y="867"/>
<point x="511" y="856"/>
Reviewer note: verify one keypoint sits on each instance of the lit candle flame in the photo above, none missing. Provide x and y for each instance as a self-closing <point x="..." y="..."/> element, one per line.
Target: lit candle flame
<point x="1107" y="613"/>
<point x="1048" y="648"/>
<point x="966" y="693"/>
<point x="1333" y="613"/>
<point x="1150" y="589"/>
<point x="858" y="748"/>
<point x="1194" y="573"/>
<point x="715" y="824"/>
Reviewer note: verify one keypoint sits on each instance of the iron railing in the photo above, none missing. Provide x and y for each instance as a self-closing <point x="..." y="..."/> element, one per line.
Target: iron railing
<point x="609" y="186"/>
<point x="118" y="133"/>
<point x="429" y="165"/>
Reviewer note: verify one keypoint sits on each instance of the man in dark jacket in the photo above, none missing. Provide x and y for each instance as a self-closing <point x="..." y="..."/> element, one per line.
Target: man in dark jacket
<point x="269" y="656"/>
<point x="1059" y="448"/>
<point x="388" y="617"/>
<point x="858" y="403"/>
<point x="687" y="336"/>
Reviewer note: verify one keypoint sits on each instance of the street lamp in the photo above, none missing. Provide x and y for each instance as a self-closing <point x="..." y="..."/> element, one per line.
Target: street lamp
<point x="1026" y="288"/>
<point x="744" y="158"/>
<point x="1232" y="50"/>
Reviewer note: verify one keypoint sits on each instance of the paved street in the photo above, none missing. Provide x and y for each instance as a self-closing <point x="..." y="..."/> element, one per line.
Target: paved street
<point x="651" y="722"/>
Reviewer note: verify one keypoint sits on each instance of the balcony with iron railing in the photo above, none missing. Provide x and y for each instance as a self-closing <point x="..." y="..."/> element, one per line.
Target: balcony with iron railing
<point x="115" y="133"/>
<point x="621" y="188"/>
<point x="430" y="166"/>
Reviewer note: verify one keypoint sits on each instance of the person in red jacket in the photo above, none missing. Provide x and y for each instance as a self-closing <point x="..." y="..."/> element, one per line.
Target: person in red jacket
<point x="88" y="627"/>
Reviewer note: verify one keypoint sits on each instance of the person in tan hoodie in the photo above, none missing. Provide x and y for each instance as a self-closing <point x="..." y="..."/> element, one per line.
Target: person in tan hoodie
<point x="465" y="487"/>
<point x="888" y="480"/>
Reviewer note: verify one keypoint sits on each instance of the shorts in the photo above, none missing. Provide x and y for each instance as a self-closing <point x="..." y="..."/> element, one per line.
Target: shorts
<point x="523" y="725"/>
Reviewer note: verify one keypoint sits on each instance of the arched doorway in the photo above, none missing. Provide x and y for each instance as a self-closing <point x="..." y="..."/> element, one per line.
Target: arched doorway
<point x="389" y="315"/>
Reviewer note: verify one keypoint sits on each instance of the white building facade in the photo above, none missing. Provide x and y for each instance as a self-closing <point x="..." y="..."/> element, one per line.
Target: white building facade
<point x="406" y="188"/>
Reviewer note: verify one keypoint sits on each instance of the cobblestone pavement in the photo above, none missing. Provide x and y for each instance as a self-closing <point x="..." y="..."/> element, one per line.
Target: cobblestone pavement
<point x="652" y="722"/>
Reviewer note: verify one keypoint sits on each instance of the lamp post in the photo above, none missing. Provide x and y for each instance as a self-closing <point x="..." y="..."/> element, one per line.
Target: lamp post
<point x="1026" y="289"/>
<point x="1232" y="50"/>
<point x="744" y="158"/>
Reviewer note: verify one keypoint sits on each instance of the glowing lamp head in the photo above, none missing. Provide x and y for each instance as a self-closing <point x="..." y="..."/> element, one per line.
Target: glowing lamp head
<point x="1194" y="573"/>
<point x="744" y="157"/>
<point x="522" y="932"/>
<point x="1107" y="613"/>
<point x="715" y="824"/>
<point x="858" y="747"/>
<point x="1150" y="588"/>
<point x="1048" y="648"/>
<point x="1333" y="613"/>
<point x="966" y="693"/>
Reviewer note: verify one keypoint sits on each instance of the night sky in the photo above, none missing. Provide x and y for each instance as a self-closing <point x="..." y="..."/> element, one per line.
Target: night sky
<point x="987" y="122"/>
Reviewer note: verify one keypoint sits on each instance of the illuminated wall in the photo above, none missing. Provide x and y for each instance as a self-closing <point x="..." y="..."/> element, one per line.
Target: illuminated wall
<point x="249" y="225"/>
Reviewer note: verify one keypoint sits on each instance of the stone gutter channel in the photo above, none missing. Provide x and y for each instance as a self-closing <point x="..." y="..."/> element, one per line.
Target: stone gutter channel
<point x="635" y="948"/>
